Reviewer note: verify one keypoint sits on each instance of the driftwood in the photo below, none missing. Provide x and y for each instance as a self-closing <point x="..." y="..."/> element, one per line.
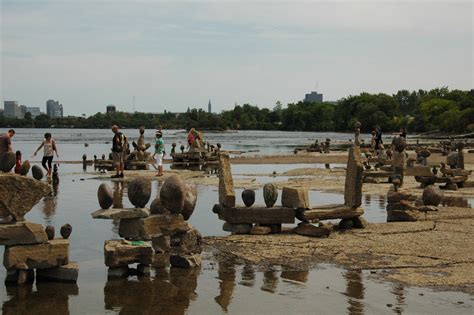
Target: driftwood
<point x="328" y="212"/>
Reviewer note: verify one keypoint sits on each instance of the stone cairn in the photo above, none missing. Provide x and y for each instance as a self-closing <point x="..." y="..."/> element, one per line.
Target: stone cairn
<point x="28" y="246"/>
<point x="139" y="153"/>
<point x="261" y="220"/>
<point x="152" y="237"/>
<point x="403" y="205"/>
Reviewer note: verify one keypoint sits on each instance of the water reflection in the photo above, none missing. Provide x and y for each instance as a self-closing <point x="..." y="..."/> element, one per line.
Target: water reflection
<point x="50" y="204"/>
<point x="368" y="199"/>
<point x="399" y="291"/>
<point x="248" y="275"/>
<point x="49" y="298"/>
<point x="167" y="293"/>
<point x="297" y="276"/>
<point x="226" y="275"/>
<point x="354" y="291"/>
<point x="270" y="280"/>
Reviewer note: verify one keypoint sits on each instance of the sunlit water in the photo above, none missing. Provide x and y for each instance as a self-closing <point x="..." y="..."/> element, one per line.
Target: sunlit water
<point x="220" y="286"/>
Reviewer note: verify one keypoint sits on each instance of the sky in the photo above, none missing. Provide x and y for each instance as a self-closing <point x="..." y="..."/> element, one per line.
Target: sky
<point x="172" y="55"/>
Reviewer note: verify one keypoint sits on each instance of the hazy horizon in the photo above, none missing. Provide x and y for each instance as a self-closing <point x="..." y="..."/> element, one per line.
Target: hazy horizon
<point x="175" y="55"/>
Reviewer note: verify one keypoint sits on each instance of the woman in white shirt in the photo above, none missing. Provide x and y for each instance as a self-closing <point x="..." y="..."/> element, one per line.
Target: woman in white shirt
<point x="50" y="148"/>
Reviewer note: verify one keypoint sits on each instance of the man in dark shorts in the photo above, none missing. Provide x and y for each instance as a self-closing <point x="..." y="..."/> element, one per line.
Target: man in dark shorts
<point x="6" y="142"/>
<point x="119" y="145"/>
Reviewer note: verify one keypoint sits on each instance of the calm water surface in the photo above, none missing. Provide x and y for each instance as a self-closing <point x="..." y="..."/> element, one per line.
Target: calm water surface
<point x="220" y="286"/>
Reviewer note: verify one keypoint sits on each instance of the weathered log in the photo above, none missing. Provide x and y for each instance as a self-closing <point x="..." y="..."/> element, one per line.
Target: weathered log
<point x="259" y="214"/>
<point x="328" y="212"/>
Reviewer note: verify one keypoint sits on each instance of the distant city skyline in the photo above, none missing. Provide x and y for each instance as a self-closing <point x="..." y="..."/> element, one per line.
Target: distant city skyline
<point x="175" y="55"/>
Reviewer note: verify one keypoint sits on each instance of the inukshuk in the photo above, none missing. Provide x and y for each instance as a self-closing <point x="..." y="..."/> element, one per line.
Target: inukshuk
<point x="28" y="246"/>
<point x="151" y="237"/>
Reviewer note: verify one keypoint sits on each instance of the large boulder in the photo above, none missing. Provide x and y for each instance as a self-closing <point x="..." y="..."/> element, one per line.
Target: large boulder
<point x="432" y="196"/>
<point x="7" y="162"/>
<point x="452" y="159"/>
<point x="270" y="194"/>
<point x="105" y="196"/>
<point x="139" y="191"/>
<point x="172" y="194"/>
<point x="37" y="172"/>
<point x="18" y="194"/>
<point x="190" y="199"/>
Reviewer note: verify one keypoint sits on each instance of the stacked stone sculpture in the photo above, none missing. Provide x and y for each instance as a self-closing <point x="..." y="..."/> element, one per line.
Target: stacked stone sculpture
<point x="261" y="220"/>
<point x="155" y="237"/>
<point x="402" y="205"/>
<point x="28" y="246"/>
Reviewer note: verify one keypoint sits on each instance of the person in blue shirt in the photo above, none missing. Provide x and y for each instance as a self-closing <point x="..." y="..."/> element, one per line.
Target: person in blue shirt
<point x="159" y="151"/>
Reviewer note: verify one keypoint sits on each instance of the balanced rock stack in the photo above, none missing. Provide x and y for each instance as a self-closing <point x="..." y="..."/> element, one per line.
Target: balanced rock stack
<point x="155" y="237"/>
<point x="28" y="246"/>
<point x="402" y="205"/>
<point x="260" y="220"/>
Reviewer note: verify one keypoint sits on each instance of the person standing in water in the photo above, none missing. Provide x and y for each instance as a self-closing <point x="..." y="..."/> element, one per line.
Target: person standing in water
<point x="50" y="148"/>
<point x="159" y="151"/>
<point x="119" y="145"/>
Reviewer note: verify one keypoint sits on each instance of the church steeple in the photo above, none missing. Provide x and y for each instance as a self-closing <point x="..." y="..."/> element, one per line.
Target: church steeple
<point x="209" y="107"/>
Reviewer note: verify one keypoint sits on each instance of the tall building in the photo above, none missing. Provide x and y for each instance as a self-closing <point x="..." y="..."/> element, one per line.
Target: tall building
<point x="209" y="107"/>
<point x="11" y="109"/>
<point x="34" y="111"/>
<point x="54" y="109"/>
<point x="111" y="109"/>
<point x="313" y="97"/>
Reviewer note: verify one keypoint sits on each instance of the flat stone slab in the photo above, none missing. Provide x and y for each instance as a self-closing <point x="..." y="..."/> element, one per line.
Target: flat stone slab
<point x="418" y="171"/>
<point x="39" y="256"/>
<point x="294" y="197"/>
<point x="308" y="229"/>
<point x="121" y="213"/>
<point x="118" y="253"/>
<point x="185" y="261"/>
<point x="145" y="228"/>
<point x="328" y="212"/>
<point x="18" y="194"/>
<point x="65" y="273"/>
<point x="263" y="215"/>
<point x="226" y="182"/>
<point x="22" y="233"/>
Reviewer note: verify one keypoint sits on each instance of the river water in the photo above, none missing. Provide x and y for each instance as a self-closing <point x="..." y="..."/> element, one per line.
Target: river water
<point x="220" y="286"/>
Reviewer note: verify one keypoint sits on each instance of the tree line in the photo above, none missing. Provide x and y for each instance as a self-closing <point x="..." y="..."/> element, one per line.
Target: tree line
<point x="419" y="111"/>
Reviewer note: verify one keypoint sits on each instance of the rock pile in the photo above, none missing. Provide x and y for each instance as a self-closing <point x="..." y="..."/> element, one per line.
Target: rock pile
<point x="28" y="246"/>
<point x="402" y="205"/>
<point x="155" y="237"/>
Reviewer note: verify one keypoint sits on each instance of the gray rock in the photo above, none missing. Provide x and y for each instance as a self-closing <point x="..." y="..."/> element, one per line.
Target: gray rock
<point x="241" y="228"/>
<point x="37" y="172"/>
<point x="354" y="179"/>
<point x="217" y="208"/>
<point x="139" y="192"/>
<point x="25" y="168"/>
<point x="22" y="233"/>
<point x="65" y="273"/>
<point x="120" y="213"/>
<point x="190" y="199"/>
<point x="309" y="229"/>
<point x="359" y="223"/>
<point x="50" y="232"/>
<point x="7" y="162"/>
<point x="66" y="230"/>
<point x="118" y="272"/>
<point x="432" y="196"/>
<point x="260" y="230"/>
<point x="248" y="197"/>
<point x="105" y="196"/>
<point x="270" y="194"/>
<point x="172" y="194"/>
<point x="399" y="143"/>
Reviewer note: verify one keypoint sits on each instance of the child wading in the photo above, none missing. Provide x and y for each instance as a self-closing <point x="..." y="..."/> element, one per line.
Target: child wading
<point x="159" y="152"/>
<point x="50" y="148"/>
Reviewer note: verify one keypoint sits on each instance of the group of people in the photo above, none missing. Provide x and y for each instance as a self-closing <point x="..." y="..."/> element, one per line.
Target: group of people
<point x="49" y="150"/>
<point x="120" y="147"/>
<point x="377" y="142"/>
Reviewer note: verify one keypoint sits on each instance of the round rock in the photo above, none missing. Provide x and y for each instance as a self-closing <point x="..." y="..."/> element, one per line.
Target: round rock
<point x="25" y="168"/>
<point x="139" y="192"/>
<point x="172" y="194"/>
<point x="190" y="199"/>
<point x="7" y="161"/>
<point x="424" y="153"/>
<point x="399" y="143"/>
<point x="270" y="194"/>
<point x="217" y="208"/>
<point x="50" y="232"/>
<point x="452" y="159"/>
<point x="105" y="196"/>
<point x="37" y="172"/>
<point x="66" y="230"/>
<point x="432" y="196"/>
<point x="156" y="207"/>
<point x="248" y="197"/>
